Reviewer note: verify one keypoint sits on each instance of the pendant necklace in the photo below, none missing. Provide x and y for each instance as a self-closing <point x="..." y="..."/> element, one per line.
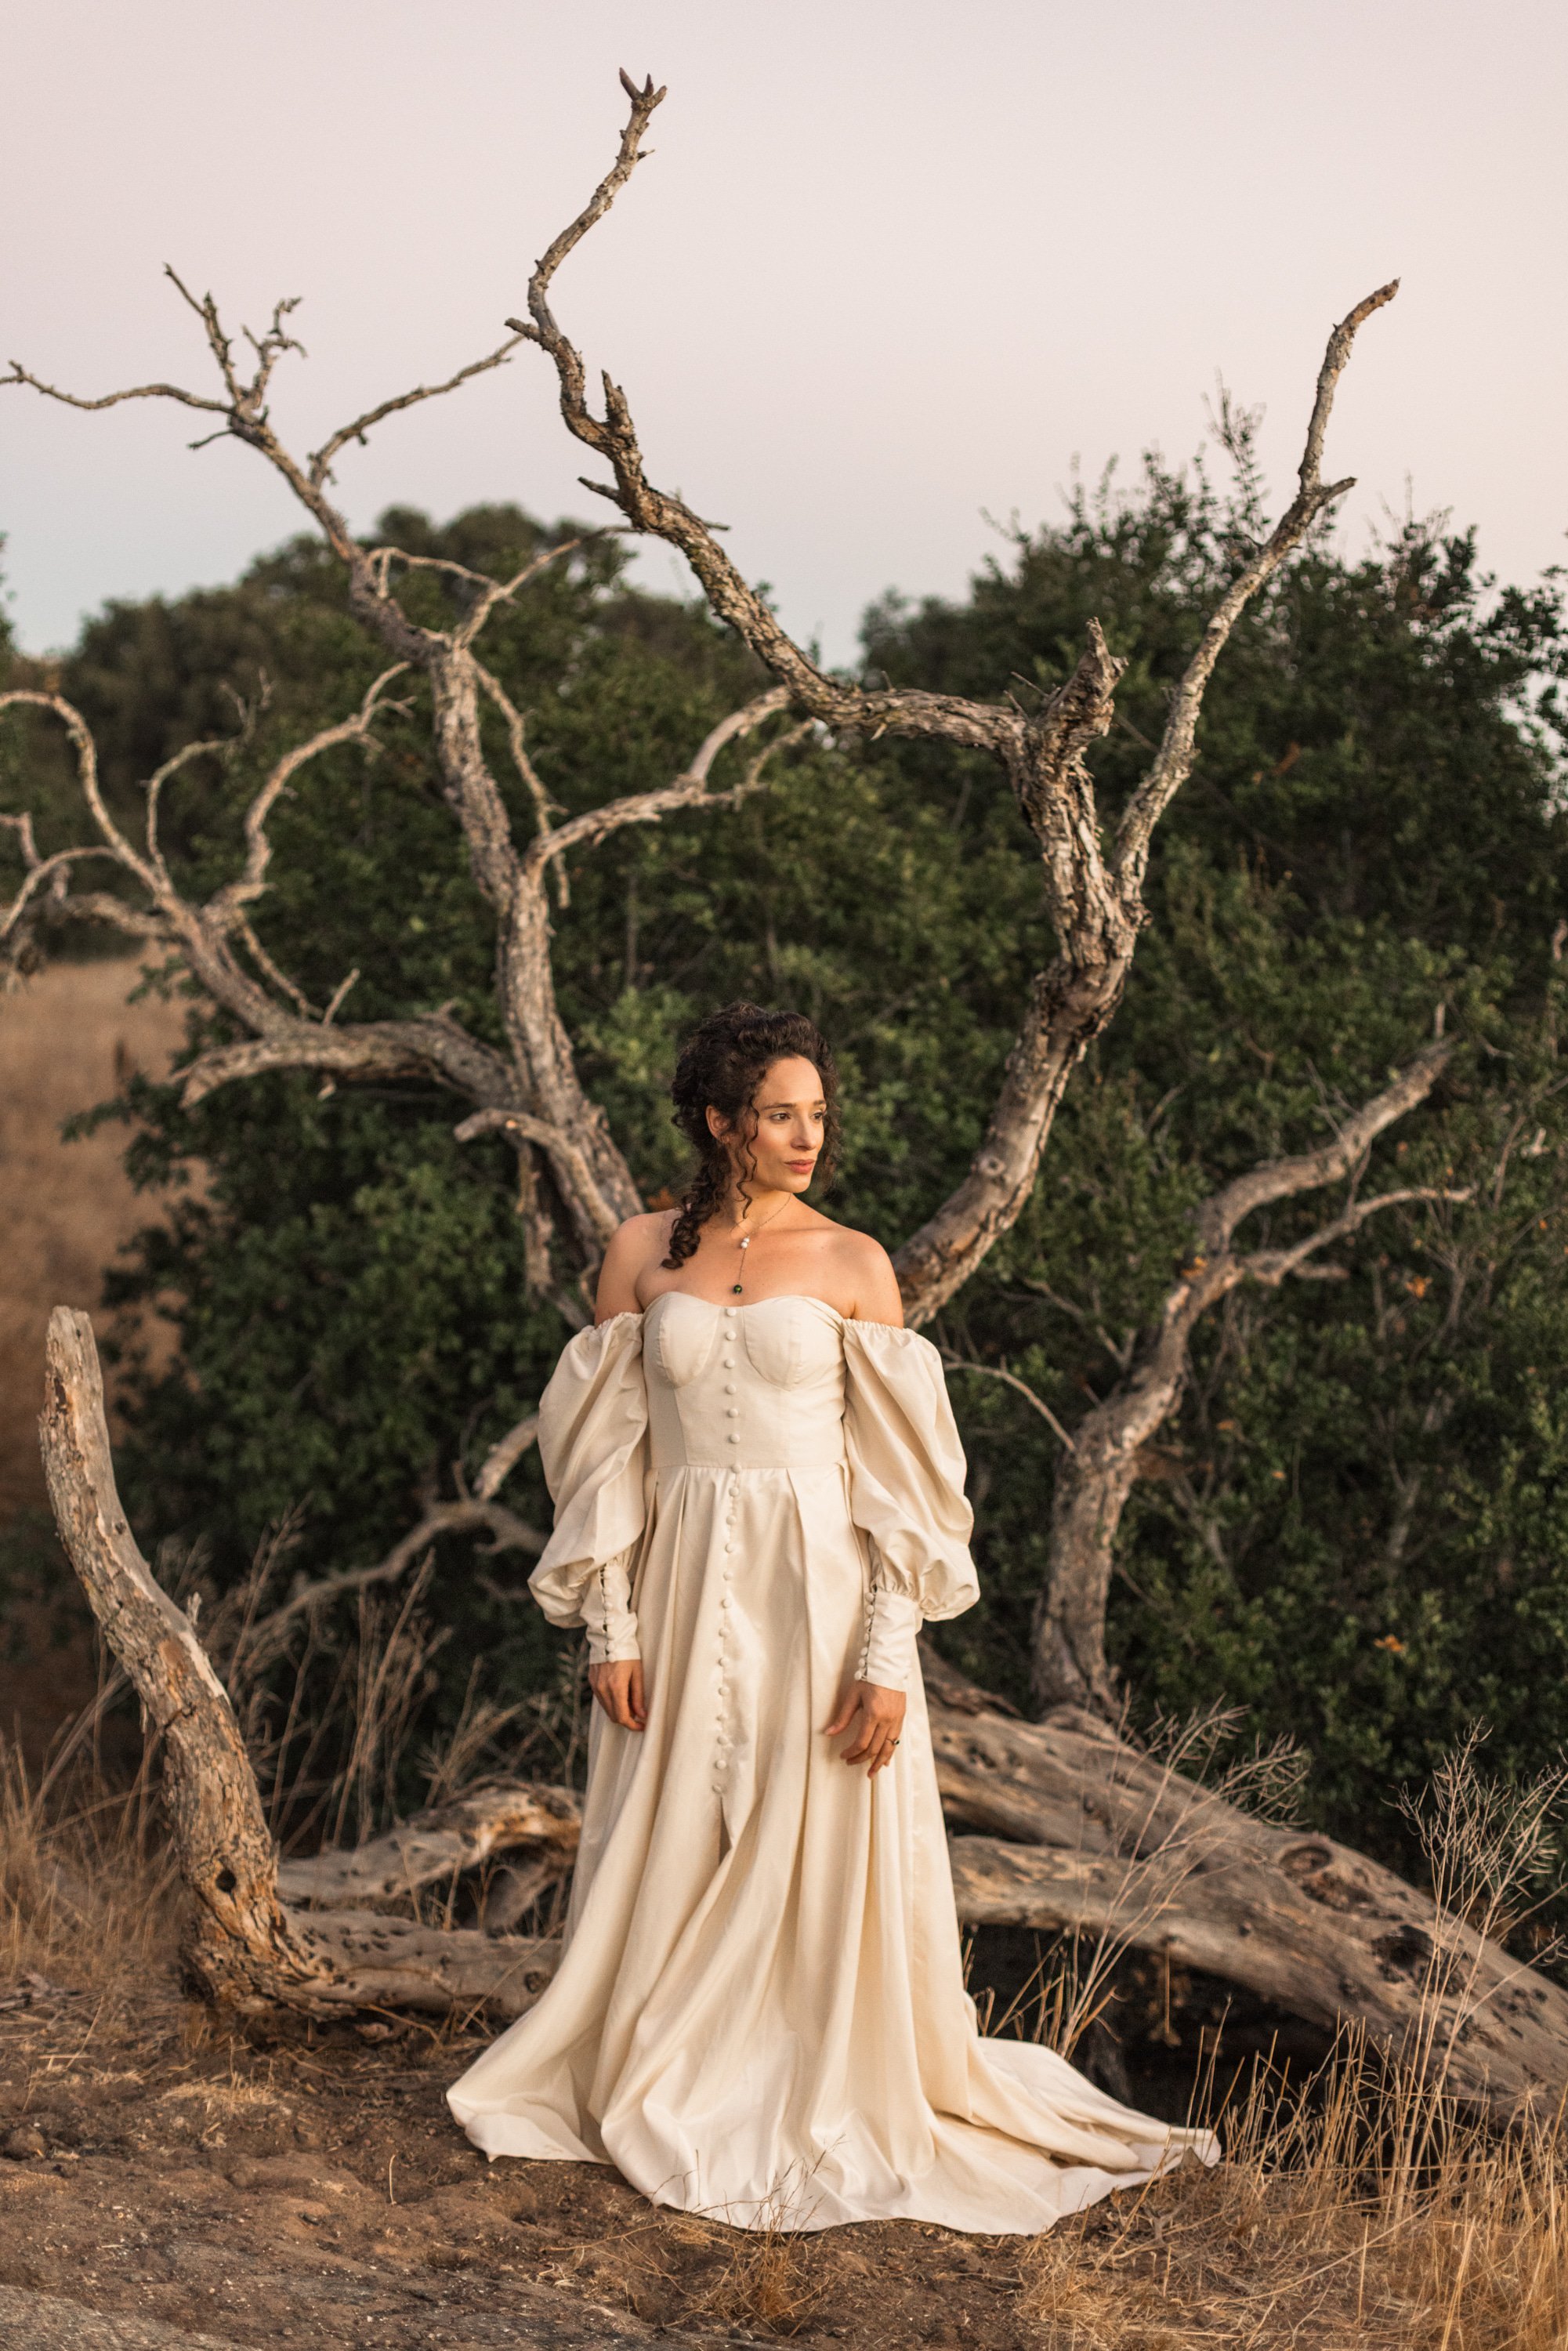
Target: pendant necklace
<point x="746" y="1240"/>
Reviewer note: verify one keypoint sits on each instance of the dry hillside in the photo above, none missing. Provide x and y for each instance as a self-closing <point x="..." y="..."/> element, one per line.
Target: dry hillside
<point x="65" y="1036"/>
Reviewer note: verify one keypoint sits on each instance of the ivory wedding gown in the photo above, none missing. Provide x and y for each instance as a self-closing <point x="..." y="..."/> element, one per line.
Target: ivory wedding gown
<point x="759" y="2013"/>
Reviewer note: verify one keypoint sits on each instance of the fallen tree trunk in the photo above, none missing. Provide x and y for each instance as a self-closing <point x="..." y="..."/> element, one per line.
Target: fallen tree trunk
<point x="534" y="1826"/>
<point x="245" y="1946"/>
<point x="1081" y="1832"/>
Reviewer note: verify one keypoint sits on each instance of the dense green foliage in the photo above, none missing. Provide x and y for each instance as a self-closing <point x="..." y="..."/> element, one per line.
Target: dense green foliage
<point x="1357" y="1530"/>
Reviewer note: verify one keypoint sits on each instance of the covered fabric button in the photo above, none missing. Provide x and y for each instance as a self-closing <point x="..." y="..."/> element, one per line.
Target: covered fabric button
<point x="735" y="1437"/>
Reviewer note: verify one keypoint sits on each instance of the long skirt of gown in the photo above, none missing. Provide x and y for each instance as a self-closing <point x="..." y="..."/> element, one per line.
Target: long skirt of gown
<point x="760" y="2012"/>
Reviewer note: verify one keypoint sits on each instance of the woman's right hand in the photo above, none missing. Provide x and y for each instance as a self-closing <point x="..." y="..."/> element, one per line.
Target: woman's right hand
<point x="619" y="1690"/>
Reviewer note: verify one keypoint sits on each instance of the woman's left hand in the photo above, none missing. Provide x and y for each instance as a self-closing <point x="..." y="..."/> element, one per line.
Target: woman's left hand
<point x="619" y="1690"/>
<point x="874" y="1718"/>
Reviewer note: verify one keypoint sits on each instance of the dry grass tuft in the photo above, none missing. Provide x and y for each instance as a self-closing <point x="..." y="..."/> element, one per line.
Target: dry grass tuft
<point x="88" y="1896"/>
<point x="1318" y="2229"/>
<point x="764" y="2280"/>
<point x="1362" y="2206"/>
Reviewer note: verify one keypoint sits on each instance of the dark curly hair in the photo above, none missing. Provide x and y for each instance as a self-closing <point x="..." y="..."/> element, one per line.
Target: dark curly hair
<point x="721" y="1066"/>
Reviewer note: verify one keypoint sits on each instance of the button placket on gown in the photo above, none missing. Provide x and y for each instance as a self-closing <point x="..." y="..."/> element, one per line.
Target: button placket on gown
<point x="724" y="1731"/>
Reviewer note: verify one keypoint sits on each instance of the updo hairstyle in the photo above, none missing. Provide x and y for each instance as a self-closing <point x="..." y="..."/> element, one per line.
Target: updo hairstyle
<point x="722" y="1064"/>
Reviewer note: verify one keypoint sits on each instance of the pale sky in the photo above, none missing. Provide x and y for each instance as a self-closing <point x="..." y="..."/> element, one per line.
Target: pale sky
<point x="892" y="267"/>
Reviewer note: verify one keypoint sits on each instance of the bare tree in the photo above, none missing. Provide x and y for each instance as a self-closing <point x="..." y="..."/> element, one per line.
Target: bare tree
<point x="1093" y="887"/>
<point x="529" y="1090"/>
<point x="1105" y="1455"/>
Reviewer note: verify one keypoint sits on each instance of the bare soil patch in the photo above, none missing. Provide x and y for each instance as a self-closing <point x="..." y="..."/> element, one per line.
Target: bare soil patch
<point x="312" y="2190"/>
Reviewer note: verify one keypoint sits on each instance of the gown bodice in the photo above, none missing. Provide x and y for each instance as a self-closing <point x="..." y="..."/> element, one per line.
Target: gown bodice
<point x="783" y="1387"/>
<point x="758" y="1386"/>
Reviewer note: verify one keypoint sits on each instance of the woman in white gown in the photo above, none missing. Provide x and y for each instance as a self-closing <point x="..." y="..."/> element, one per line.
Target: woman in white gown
<point x="759" y="2013"/>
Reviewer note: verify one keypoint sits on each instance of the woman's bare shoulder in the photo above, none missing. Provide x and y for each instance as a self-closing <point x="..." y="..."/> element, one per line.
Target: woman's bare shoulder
<point x="635" y="1247"/>
<point x="865" y="1273"/>
<point x="643" y="1230"/>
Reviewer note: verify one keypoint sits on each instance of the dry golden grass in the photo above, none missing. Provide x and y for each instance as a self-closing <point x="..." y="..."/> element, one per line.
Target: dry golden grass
<point x="68" y="1038"/>
<point x="88" y="1896"/>
<point x="1318" y="2229"/>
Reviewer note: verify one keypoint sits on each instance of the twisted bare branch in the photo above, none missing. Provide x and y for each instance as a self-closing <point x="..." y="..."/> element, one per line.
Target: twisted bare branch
<point x="19" y="374"/>
<point x="1172" y="761"/>
<point x="1095" y="906"/>
<point x="1271" y="1267"/>
<point x="1308" y="1170"/>
<point x="250" y="885"/>
<point x="545" y="808"/>
<point x="646" y="808"/>
<point x="320" y="460"/>
<point x="504" y="1456"/>
<point x="567" y="1157"/>
<point x="261" y="1642"/>
<point x="1021" y="1387"/>
<point x="433" y="1049"/>
<point x="39" y="874"/>
<point x="1110" y="1443"/>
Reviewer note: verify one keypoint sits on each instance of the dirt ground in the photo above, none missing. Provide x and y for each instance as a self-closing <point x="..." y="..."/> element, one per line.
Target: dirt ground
<point x="310" y="2190"/>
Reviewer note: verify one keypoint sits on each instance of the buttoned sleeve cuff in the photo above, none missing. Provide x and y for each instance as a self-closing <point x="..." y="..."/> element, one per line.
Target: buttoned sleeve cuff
<point x="607" y="1611"/>
<point x="892" y="1623"/>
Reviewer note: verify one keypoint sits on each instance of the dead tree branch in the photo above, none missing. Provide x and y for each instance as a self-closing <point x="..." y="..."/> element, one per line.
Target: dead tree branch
<point x="245" y="1945"/>
<point x="1019" y="1387"/>
<point x="527" y="1822"/>
<point x="260" y="1643"/>
<point x="1066" y="1827"/>
<point x="1095" y="904"/>
<point x="1095" y="1478"/>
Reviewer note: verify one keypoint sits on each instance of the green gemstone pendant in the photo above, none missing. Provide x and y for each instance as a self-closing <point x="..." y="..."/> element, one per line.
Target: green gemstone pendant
<point x="737" y="1290"/>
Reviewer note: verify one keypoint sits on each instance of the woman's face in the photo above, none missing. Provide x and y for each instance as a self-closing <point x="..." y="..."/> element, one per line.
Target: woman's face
<point x="788" y="1125"/>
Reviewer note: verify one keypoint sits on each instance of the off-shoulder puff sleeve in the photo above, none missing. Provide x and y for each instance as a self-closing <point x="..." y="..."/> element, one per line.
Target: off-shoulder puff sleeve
<point x="906" y="1492"/>
<point x="593" y="1444"/>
